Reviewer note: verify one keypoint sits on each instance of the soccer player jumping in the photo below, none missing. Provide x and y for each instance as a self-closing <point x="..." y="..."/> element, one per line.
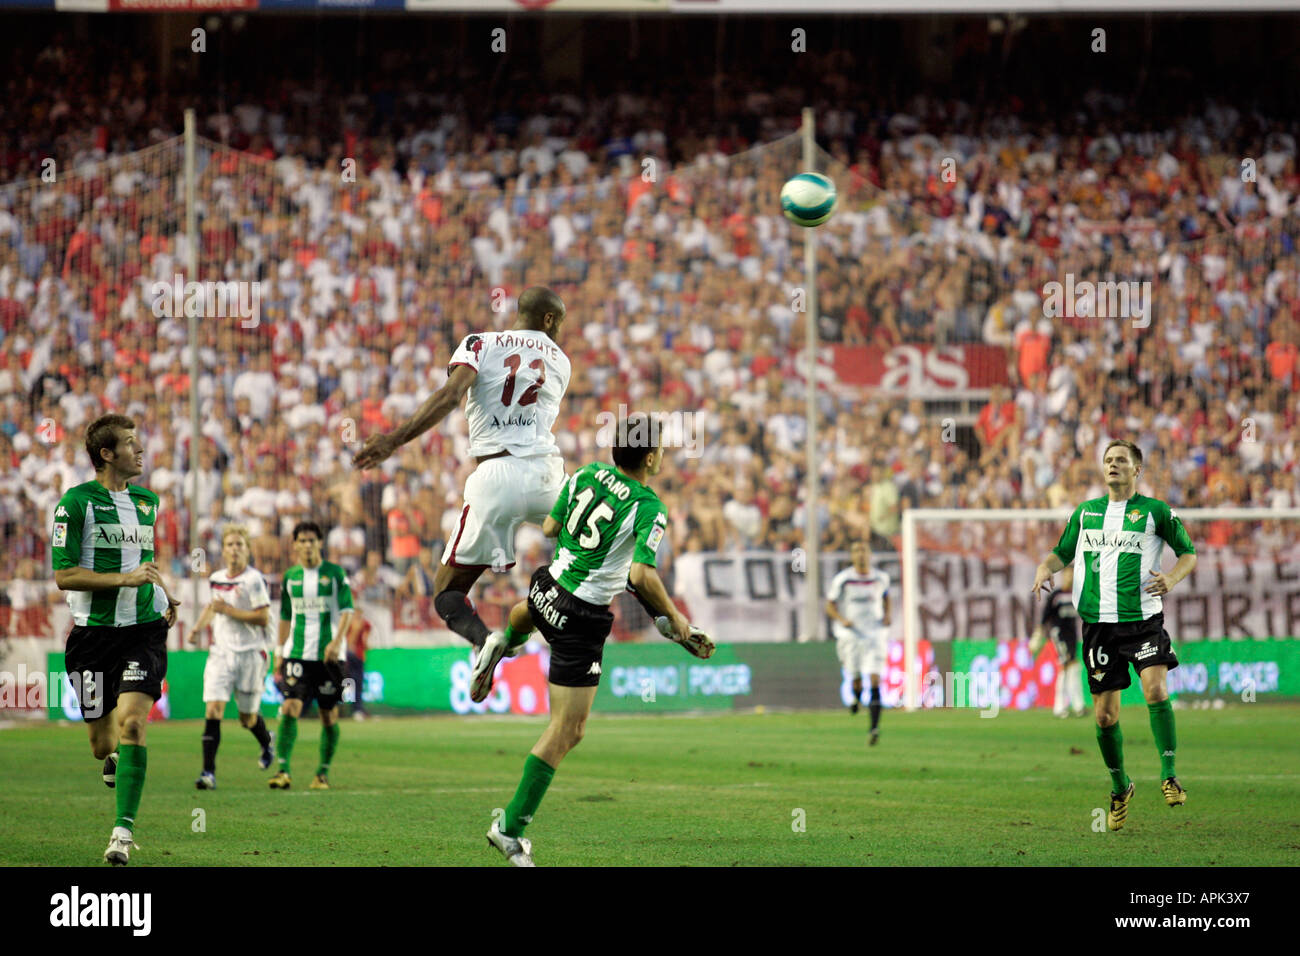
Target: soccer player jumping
<point x="514" y="381"/>
<point x="609" y="523"/>
<point x="1118" y="587"/>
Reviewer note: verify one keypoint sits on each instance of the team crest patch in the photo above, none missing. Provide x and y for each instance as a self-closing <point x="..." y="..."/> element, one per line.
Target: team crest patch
<point x="145" y="507"/>
<point x="1133" y="515"/>
<point x="474" y="344"/>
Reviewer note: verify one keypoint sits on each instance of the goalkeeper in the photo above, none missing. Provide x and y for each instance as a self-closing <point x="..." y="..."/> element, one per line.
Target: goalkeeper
<point x="1117" y="542"/>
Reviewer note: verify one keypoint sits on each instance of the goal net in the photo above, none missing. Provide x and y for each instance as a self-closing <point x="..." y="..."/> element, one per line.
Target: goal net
<point x="967" y="577"/>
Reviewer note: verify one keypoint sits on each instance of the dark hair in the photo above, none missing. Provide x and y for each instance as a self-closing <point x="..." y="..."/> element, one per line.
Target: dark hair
<point x="637" y="437"/>
<point x="1134" y="451"/>
<point x="302" y="526"/>
<point x="535" y="302"/>
<point x="104" y="433"/>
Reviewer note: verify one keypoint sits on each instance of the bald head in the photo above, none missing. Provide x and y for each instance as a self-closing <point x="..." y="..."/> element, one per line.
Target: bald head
<point x="540" y="309"/>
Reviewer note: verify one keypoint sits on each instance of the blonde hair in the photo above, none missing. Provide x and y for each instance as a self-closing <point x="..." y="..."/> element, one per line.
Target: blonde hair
<point x="239" y="529"/>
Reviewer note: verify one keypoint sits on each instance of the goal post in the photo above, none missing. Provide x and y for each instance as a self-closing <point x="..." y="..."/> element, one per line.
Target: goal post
<point x="1238" y="554"/>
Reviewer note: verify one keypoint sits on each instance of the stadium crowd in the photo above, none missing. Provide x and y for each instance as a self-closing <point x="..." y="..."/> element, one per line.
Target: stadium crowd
<point x="680" y="281"/>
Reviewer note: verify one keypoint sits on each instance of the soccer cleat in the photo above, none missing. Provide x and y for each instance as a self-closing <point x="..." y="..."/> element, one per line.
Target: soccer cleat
<point x="280" y="781"/>
<point x="518" y="852"/>
<point x="320" y="782"/>
<point x="110" y="770"/>
<point x="1118" y="808"/>
<point x="206" y="781"/>
<point x="1174" y="793"/>
<point x="697" y="642"/>
<point x="875" y="738"/>
<point x="120" y="845"/>
<point x="266" y="759"/>
<point x="485" y="665"/>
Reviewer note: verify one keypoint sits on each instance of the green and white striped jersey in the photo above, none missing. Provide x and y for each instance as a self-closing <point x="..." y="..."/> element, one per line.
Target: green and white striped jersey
<point x="108" y="532"/>
<point x="313" y="599"/>
<point x="1115" y="545"/>
<point x="607" y="521"/>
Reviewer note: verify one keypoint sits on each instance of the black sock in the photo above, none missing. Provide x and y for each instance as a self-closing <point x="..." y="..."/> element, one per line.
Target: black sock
<point x="454" y="608"/>
<point x="857" y="690"/>
<point x="259" y="731"/>
<point x="211" y="741"/>
<point x="874" y="707"/>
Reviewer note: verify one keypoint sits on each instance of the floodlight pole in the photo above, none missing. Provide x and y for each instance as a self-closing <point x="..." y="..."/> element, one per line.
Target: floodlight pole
<point x="192" y="270"/>
<point x="811" y="629"/>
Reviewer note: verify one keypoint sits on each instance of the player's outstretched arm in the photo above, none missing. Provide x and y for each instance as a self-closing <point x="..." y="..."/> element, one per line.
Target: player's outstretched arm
<point x="648" y="588"/>
<point x="435" y="408"/>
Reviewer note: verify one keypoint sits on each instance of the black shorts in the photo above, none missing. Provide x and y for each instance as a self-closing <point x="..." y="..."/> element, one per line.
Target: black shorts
<point x="575" y="630"/>
<point x="1108" y="649"/>
<point x="105" y="662"/>
<point x="320" y="681"/>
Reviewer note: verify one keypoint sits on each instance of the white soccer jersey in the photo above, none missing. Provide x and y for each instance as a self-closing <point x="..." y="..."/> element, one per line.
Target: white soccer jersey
<point x="246" y="591"/>
<point x="861" y="599"/>
<point x="515" y="398"/>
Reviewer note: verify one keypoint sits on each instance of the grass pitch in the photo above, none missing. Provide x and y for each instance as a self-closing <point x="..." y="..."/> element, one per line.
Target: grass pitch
<point x="942" y="788"/>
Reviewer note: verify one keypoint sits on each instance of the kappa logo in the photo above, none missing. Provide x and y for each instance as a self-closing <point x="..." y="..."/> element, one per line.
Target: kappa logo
<point x="112" y="508"/>
<point x="1093" y="514"/>
<point x="594" y="668"/>
<point x="61" y="513"/>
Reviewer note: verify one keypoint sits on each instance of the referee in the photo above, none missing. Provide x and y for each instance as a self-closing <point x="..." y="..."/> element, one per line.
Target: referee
<point x="102" y="548"/>
<point x="1118" y="586"/>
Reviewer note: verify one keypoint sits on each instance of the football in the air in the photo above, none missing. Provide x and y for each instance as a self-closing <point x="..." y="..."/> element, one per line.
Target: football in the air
<point x="808" y="199"/>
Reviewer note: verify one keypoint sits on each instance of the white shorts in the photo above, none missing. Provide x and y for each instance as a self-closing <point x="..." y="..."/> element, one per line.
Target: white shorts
<point x="239" y="672"/>
<point x="501" y="495"/>
<point x="859" y="655"/>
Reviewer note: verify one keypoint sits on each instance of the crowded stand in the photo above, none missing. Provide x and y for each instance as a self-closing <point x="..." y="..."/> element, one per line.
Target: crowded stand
<point x="681" y="281"/>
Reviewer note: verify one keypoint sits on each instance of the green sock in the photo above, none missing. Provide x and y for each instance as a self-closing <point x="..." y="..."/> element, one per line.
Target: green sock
<point x="513" y="637"/>
<point x="1111" y="741"/>
<point x="285" y="735"/>
<point x="329" y="742"/>
<point x="1162" y="728"/>
<point x="532" y="787"/>
<point x="131" y="762"/>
